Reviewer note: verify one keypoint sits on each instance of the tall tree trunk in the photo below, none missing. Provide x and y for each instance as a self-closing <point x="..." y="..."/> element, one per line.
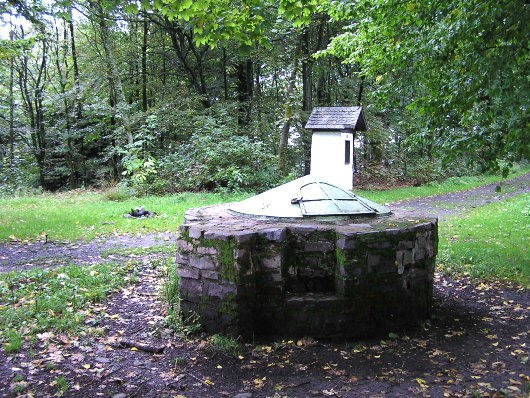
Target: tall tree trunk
<point x="284" y="136"/>
<point x="144" y="64"/>
<point x="225" y="75"/>
<point x="360" y="92"/>
<point x="114" y="75"/>
<point x="77" y="86"/>
<point x="245" y="84"/>
<point x="11" y="108"/>
<point x="307" y="93"/>
<point x="63" y="81"/>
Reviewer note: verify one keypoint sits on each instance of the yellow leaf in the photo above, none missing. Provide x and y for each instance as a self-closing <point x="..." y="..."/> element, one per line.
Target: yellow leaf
<point x="241" y="357"/>
<point x="219" y="367"/>
<point x="208" y="382"/>
<point x="134" y="349"/>
<point x="299" y="343"/>
<point x="421" y="382"/>
<point x="87" y="366"/>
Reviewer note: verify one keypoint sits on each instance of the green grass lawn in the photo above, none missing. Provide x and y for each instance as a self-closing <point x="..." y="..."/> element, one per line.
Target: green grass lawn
<point x="84" y="215"/>
<point x="491" y="242"/>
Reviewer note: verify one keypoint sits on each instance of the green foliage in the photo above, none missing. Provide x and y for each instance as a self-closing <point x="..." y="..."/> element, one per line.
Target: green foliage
<point x="170" y="292"/>
<point x="216" y="157"/>
<point x="446" y="83"/>
<point x="457" y="71"/>
<point x="39" y="300"/>
<point x="219" y="21"/>
<point x="118" y="193"/>
<point x="61" y="384"/>
<point x="228" y="345"/>
<point x="489" y="243"/>
<point x="12" y="341"/>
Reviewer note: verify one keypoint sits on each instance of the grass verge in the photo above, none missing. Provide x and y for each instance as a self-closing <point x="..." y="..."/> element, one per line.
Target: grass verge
<point x="489" y="243"/>
<point x="452" y="184"/>
<point x="38" y="300"/>
<point x="85" y="215"/>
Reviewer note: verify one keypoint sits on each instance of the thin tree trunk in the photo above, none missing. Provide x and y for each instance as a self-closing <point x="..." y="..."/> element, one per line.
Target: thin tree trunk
<point x="245" y="84"/>
<point x="11" y="109"/>
<point x="360" y="92"/>
<point x="121" y="100"/>
<point x="284" y="136"/>
<point x="63" y="81"/>
<point x="307" y="92"/>
<point x="225" y="75"/>
<point x="144" y="64"/>
<point x="79" y="103"/>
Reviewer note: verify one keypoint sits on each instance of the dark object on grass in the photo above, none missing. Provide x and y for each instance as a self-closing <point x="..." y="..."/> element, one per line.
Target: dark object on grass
<point x="141" y="212"/>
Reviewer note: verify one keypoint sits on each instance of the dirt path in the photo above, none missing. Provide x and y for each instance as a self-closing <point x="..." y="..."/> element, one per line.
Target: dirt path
<point x="460" y="202"/>
<point x="21" y="256"/>
<point x="475" y="344"/>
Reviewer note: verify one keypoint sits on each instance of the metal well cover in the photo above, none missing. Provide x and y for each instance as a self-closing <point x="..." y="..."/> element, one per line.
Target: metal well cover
<point x="307" y="197"/>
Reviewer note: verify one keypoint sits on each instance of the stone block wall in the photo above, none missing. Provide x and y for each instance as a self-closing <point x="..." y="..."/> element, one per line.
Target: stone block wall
<point x="321" y="279"/>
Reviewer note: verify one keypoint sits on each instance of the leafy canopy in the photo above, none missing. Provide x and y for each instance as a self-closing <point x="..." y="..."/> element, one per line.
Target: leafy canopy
<point x="215" y="21"/>
<point x="460" y="66"/>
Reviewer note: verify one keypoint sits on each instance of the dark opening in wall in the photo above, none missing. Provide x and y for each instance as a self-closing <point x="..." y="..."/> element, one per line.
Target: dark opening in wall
<point x="310" y="272"/>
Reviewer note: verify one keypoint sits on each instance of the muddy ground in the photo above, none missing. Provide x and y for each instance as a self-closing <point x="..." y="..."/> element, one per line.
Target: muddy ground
<point x="476" y="342"/>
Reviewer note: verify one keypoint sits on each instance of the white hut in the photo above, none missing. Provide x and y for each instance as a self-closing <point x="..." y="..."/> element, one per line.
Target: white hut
<point x="332" y="155"/>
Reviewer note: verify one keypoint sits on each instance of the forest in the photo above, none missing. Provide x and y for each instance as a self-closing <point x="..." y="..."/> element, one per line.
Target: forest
<point x="179" y="95"/>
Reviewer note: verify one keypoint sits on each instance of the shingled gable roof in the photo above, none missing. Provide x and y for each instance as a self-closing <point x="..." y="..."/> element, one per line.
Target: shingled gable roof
<point x="337" y="118"/>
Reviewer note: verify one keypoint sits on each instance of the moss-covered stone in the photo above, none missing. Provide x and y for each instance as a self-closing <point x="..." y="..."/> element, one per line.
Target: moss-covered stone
<point x="229" y="306"/>
<point x="318" y="279"/>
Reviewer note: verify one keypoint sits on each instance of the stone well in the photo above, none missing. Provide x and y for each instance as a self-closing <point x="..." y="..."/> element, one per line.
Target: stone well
<point x="339" y="278"/>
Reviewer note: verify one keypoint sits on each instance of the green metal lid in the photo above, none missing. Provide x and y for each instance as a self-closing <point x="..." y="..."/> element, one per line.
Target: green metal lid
<point x="307" y="197"/>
